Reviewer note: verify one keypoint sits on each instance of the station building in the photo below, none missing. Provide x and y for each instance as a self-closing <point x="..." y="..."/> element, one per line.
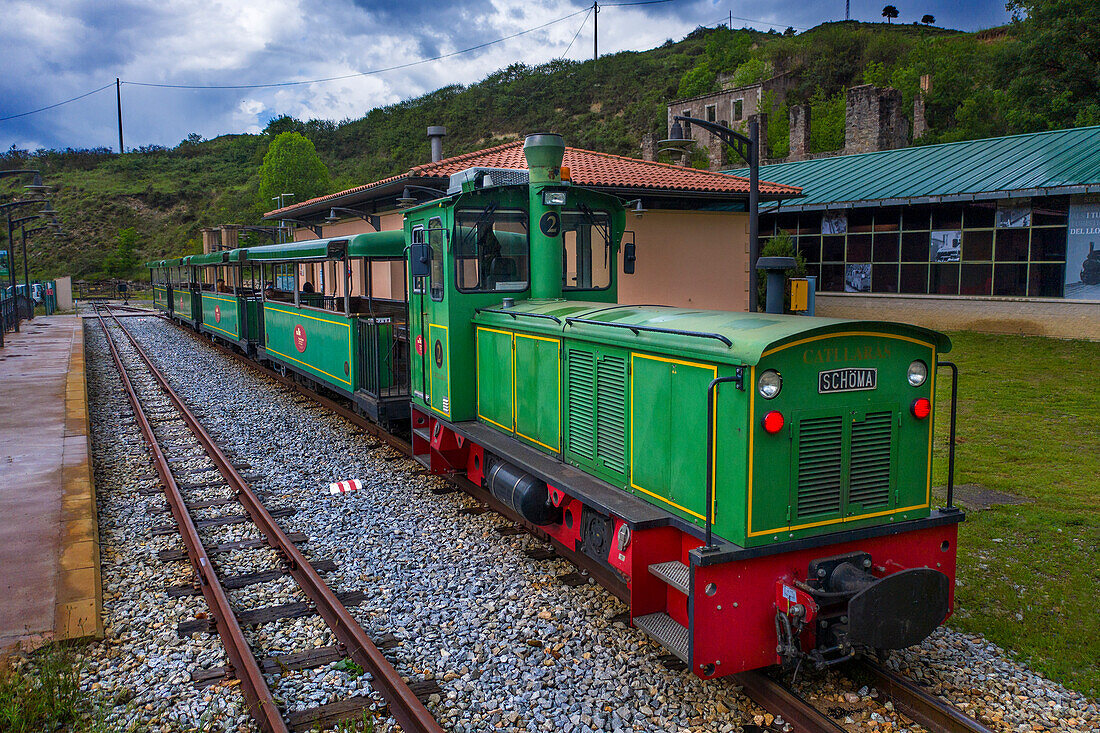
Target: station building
<point x="690" y="226"/>
<point x="995" y="235"/>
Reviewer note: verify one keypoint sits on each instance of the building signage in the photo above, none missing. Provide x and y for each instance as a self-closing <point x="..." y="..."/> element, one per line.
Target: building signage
<point x="1083" y="250"/>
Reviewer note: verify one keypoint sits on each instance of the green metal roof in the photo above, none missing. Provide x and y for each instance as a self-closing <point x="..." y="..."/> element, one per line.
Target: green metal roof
<point x="307" y="250"/>
<point x="1033" y="164"/>
<point x="388" y="244"/>
<point x="720" y="336"/>
<point x="211" y="258"/>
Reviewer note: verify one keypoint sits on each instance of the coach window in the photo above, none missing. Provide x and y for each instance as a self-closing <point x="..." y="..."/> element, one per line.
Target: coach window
<point x="586" y="250"/>
<point x="492" y="250"/>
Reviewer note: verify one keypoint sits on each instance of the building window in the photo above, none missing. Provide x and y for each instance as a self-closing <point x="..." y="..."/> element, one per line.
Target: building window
<point x="687" y="125"/>
<point x="984" y="248"/>
<point x="738" y="109"/>
<point x="712" y="113"/>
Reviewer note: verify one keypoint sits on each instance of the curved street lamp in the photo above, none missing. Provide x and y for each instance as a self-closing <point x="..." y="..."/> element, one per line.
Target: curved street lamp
<point x="749" y="150"/>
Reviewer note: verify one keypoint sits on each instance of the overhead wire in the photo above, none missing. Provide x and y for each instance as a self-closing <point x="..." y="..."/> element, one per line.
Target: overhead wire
<point x="57" y="104"/>
<point x="575" y="35"/>
<point x="396" y="67"/>
<point x="359" y="73"/>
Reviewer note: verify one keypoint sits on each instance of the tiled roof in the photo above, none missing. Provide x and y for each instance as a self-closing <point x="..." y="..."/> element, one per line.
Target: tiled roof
<point x="1037" y="163"/>
<point x="586" y="167"/>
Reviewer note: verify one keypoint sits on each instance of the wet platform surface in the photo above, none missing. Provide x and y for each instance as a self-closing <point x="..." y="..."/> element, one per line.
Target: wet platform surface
<point x="49" y="541"/>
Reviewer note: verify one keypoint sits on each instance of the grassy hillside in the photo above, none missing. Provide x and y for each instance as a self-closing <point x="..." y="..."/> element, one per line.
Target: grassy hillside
<point x="168" y="195"/>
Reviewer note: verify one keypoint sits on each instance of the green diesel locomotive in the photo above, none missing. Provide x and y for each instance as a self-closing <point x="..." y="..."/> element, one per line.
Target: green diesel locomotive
<point x="761" y="483"/>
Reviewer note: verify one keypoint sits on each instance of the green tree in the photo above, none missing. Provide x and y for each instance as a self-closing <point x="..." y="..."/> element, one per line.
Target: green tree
<point x="889" y="12"/>
<point x="1057" y="74"/>
<point x="121" y="262"/>
<point x="292" y="166"/>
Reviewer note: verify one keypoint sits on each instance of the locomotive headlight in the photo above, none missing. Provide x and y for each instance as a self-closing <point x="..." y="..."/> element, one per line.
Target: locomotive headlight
<point x="918" y="372"/>
<point x="553" y="197"/>
<point x="769" y="384"/>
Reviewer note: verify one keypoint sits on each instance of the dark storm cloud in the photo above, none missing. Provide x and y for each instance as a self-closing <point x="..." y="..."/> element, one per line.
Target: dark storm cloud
<point x="64" y="48"/>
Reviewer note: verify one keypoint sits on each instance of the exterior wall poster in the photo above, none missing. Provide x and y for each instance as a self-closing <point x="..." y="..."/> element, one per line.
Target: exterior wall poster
<point x="1083" y="250"/>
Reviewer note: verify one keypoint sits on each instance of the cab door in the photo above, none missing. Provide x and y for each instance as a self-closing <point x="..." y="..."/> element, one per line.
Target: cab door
<point x="428" y="306"/>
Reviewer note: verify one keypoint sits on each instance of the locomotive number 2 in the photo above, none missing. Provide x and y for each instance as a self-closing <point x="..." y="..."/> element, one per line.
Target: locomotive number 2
<point x="550" y="224"/>
<point x="438" y="354"/>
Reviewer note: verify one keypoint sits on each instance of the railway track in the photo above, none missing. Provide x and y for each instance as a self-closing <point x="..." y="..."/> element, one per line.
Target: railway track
<point x="799" y="715"/>
<point x="401" y="699"/>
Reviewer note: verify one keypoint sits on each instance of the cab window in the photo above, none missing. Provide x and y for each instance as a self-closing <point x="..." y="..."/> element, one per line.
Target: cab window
<point x="435" y="240"/>
<point x="492" y="250"/>
<point x="586" y="250"/>
<point x="418" y="238"/>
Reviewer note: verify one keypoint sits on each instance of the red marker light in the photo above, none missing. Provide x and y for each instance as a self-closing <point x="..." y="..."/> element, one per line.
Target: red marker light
<point x="921" y="408"/>
<point x="773" y="422"/>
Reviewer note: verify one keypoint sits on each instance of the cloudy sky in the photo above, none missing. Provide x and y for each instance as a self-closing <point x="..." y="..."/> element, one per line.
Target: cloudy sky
<point x="55" y="50"/>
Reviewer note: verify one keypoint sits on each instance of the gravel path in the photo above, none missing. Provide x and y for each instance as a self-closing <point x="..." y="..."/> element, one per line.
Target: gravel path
<point x="512" y="648"/>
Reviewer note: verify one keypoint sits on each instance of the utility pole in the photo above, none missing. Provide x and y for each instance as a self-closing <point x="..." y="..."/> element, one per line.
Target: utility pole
<point x="847" y="9"/>
<point x="595" y="30"/>
<point x="118" y="96"/>
<point x="730" y="26"/>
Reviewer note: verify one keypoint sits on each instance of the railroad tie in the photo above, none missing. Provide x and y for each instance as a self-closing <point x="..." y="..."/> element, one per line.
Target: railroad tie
<point x="234" y="582"/>
<point x="283" y="663"/>
<point x="172" y="555"/>
<point x="166" y="529"/>
<point x="267" y="614"/>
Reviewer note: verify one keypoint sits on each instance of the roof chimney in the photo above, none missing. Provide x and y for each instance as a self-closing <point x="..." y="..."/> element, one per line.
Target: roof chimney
<point x="435" y="134"/>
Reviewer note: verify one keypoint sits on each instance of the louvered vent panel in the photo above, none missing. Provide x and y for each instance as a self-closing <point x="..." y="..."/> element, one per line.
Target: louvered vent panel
<point x="820" y="444"/>
<point x="869" y="467"/>
<point x="611" y="412"/>
<point x="582" y="403"/>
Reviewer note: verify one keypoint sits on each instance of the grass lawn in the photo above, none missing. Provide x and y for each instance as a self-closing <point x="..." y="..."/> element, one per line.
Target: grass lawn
<point x="1029" y="424"/>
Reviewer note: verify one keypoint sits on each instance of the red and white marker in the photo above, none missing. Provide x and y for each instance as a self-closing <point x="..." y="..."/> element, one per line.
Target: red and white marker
<point x="343" y="487"/>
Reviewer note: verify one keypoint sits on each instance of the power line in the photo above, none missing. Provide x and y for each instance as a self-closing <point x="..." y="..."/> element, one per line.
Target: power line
<point x="579" y="29"/>
<point x="358" y="73"/>
<point x="58" y="104"/>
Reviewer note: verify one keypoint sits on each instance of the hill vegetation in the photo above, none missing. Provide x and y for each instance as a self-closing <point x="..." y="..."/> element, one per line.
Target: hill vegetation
<point x="1037" y="73"/>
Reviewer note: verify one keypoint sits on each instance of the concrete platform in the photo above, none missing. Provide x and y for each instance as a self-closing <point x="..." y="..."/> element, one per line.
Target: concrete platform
<point x="49" y="537"/>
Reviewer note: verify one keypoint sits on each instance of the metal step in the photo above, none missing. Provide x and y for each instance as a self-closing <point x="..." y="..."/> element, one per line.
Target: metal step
<point x="671" y="633"/>
<point x="675" y="573"/>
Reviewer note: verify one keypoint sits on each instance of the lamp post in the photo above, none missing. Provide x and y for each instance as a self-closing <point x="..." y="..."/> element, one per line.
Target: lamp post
<point x="36" y="188"/>
<point x="749" y="150"/>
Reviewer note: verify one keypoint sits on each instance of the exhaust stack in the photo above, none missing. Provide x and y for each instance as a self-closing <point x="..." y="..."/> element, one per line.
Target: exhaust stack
<point x="436" y="133"/>
<point x="544" y="153"/>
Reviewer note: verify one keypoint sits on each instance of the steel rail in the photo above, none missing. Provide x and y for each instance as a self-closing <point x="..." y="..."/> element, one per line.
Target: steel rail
<point x="769" y="694"/>
<point x="600" y="573"/>
<point x="921" y="707"/>
<point x="244" y="664"/>
<point x="404" y="706"/>
<point x="783" y="702"/>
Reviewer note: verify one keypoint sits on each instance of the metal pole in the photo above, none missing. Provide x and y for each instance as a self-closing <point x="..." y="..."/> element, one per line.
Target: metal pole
<point x="595" y="30"/>
<point x="754" y="207"/>
<point x="118" y="96"/>
<point x="11" y="269"/>
<point x="26" y="276"/>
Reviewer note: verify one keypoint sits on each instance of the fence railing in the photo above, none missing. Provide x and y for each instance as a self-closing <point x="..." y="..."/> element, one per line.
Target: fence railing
<point x="15" y="308"/>
<point x="384" y="356"/>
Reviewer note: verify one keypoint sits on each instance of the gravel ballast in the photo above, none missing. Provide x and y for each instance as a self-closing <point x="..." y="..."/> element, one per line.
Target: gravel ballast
<point x="511" y="647"/>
